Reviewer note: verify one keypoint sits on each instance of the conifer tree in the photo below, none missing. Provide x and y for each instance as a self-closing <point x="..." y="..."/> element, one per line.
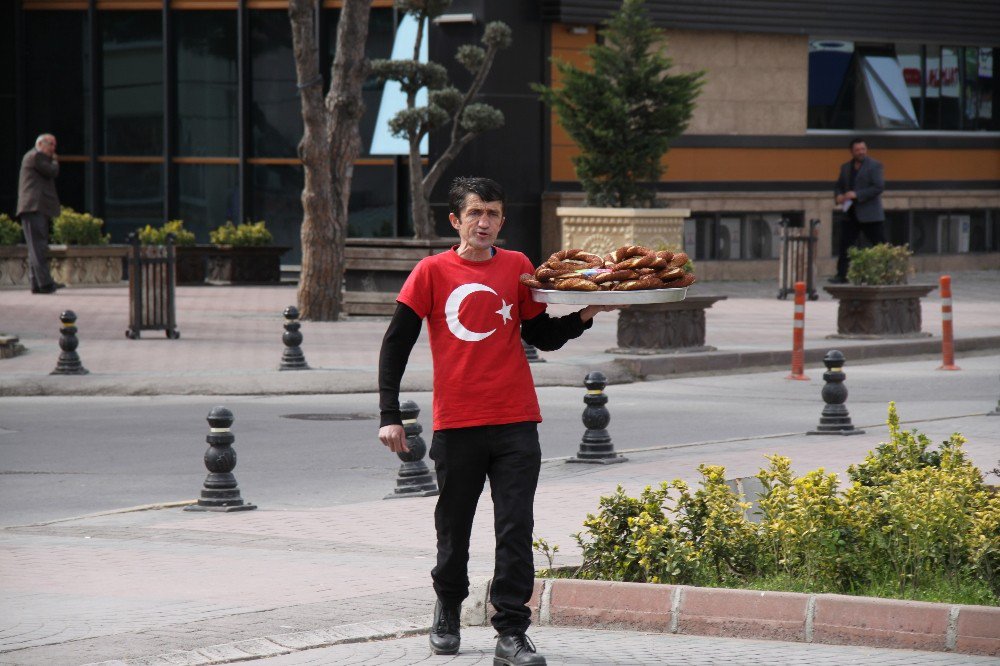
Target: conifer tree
<point x="624" y="113"/>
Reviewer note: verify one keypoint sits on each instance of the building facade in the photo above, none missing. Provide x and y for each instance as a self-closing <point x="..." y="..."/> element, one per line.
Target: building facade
<point x="168" y="109"/>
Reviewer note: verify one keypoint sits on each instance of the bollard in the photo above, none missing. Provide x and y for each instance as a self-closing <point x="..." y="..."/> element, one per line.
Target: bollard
<point x="798" y="333"/>
<point x="220" y="491"/>
<point x="995" y="412"/>
<point x="835" y="419"/>
<point x="414" y="479"/>
<point x="531" y="352"/>
<point x="947" y="331"/>
<point x="292" y="357"/>
<point x="69" y="361"/>
<point x="596" y="446"/>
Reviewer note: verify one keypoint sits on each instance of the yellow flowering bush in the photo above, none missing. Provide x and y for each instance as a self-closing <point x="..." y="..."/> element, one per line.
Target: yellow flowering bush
<point x="911" y="519"/>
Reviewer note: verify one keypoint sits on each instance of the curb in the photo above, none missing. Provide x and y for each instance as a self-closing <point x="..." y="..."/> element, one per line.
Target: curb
<point x="786" y="616"/>
<point x="675" y="364"/>
<point x="278" y="644"/>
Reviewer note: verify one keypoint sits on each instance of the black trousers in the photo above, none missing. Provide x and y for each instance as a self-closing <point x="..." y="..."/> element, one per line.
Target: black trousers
<point x="36" y="236"/>
<point x="850" y="229"/>
<point x="510" y="457"/>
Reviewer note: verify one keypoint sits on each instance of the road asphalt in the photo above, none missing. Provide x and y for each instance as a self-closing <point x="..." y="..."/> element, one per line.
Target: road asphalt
<point x="349" y="583"/>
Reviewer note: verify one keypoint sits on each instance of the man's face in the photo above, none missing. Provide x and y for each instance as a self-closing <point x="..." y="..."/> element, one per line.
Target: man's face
<point x="48" y="145"/>
<point x="479" y="222"/>
<point x="859" y="151"/>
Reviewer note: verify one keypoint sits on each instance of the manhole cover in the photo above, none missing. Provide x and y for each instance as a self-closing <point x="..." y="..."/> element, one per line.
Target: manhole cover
<point x="330" y="417"/>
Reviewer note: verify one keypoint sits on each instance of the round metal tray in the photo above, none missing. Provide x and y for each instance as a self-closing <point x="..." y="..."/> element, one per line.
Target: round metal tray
<point x="638" y="297"/>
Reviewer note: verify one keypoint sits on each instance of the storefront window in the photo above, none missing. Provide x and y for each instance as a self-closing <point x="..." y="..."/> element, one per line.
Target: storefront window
<point x="207" y="196"/>
<point x="736" y="235"/>
<point x="206" y="83"/>
<point x="132" y="82"/>
<point x="275" y="111"/>
<point x="372" y="209"/>
<point x="902" y="86"/>
<point x="133" y="197"/>
<point x="276" y="198"/>
<point x="57" y="78"/>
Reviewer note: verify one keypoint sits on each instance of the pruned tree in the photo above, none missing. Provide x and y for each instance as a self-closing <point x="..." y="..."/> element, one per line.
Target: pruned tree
<point x="330" y="144"/>
<point x="624" y="112"/>
<point x="445" y="103"/>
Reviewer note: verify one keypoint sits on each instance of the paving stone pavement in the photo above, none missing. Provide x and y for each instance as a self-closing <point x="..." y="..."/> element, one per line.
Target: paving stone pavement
<point x="588" y="646"/>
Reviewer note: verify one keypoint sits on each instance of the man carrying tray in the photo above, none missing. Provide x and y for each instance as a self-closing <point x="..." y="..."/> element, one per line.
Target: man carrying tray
<point x="486" y="411"/>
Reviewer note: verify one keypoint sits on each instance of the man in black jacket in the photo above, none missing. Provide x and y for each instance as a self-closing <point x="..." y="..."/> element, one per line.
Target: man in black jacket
<point x="859" y="194"/>
<point x="37" y="203"/>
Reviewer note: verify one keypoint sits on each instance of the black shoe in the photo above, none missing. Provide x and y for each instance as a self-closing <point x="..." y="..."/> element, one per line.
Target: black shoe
<point x="48" y="289"/>
<point x="836" y="279"/>
<point x="516" y="650"/>
<point x="445" y="637"/>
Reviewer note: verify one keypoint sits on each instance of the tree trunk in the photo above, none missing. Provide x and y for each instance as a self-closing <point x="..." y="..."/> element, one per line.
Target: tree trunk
<point x="423" y="224"/>
<point x="330" y="144"/>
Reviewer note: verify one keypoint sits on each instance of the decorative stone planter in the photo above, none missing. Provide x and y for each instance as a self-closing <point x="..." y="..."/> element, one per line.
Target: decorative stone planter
<point x="87" y="264"/>
<point x="13" y="265"/>
<point x="601" y="230"/>
<point x="879" y="311"/>
<point x="664" y="327"/>
<point x="192" y="263"/>
<point x="376" y="268"/>
<point x="228" y="264"/>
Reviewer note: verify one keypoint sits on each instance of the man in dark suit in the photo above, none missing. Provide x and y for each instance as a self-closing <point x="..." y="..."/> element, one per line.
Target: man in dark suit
<point x="859" y="194"/>
<point x="37" y="203"/>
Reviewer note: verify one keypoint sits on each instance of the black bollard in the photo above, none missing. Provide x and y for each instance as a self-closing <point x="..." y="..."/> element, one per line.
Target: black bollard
<point x="69" y="361"/>
<point x="415" y="479"/>
<point x="531" y="352"/>
<point x="292" y="357"/>
<point x="835" y="419"/>
<point x="995" y="412"/>
<point x="596" y="446"/>
<point x="220" y="492"/>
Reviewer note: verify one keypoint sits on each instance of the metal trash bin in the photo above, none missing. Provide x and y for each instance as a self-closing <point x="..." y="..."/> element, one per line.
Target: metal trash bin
<point x="798" y="259"/>
<point x="152" y="279"/>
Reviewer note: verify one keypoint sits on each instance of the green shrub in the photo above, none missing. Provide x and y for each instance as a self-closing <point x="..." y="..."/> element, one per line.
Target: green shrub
<point x="10" y="231"/>
<point x="879" y="265"/>
<point x="248" y="233"/>
<point x="150" y="235"/>
<point x="913" y="522"/>
<point x="73" y="228"/>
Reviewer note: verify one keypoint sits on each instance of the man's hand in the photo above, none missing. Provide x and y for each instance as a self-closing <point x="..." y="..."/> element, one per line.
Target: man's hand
<point x="394" y="437"/>
<point x="850" y="195"/>
<point x="588" y="312"/>
<point x="839" y="199"/>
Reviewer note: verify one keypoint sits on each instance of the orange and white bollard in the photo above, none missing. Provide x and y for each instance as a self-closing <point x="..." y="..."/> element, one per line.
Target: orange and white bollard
<point x="799" y="334"/>
<point x="947" y="330"/>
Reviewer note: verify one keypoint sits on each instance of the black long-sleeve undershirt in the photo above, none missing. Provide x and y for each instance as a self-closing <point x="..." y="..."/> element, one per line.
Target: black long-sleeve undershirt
<point x="544" y="332"/>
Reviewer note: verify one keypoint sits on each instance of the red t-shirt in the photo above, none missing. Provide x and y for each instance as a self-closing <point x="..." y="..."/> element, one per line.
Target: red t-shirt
<point x="474" y="311"/>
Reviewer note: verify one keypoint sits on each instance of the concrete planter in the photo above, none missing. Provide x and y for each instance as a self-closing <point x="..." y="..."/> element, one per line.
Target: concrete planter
<point x="376" y="268"/>
<point x="879" y="311"/>
<point x="87" y="264"/>
<point x="601" y="230"/>
<point x="228" y="264"/>
<point x="13" y="265"/>
<point x="192" y="263"/>
<point x="664" y="327"/>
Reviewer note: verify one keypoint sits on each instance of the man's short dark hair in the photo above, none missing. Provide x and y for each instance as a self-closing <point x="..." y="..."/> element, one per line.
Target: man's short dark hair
<point x="486" y="189"/>
<point x="856" y="140"/>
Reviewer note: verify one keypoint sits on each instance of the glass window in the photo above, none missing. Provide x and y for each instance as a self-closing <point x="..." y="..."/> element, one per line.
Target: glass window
<point x="381" y="33"/>
<point x="132" y="82"/>
<point x="831" y="84"/>
<point x="206" y="197"/>
<point x="207" y="93"/>
<point x="981" y="71"/>
<point x="57" y="78"/>
<point x="133" y="197"/>
<point x="887" y="100"/>
<point x="72" y="185"/>
<point x="924" y="232"/>
<point x="275" y="112"/>
<point x="277" y="199"/>
<point x="372" y="209"/>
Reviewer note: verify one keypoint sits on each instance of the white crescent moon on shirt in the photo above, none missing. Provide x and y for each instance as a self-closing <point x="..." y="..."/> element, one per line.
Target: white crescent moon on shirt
<point x="451" y="312"/>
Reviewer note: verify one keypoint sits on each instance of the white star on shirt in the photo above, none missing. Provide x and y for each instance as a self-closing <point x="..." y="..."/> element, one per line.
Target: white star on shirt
<point x="504" y="311"/>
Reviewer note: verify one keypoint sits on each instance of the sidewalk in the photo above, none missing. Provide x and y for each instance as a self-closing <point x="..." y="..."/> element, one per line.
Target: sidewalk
<point x="349" y="583"/>
<point x="231" y="341"/>
<point x="169" y="587"/>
